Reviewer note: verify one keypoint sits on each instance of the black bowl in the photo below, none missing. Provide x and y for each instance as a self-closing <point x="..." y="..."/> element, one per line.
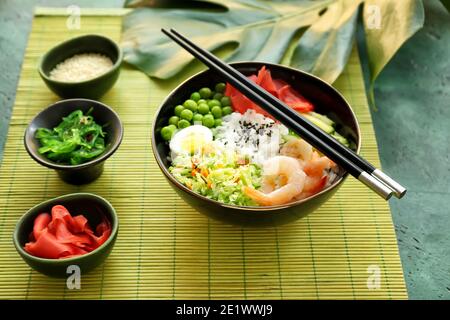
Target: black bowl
<point x="93" y="208"/>
<point x="93" y="88"/>
<point x="52" y="116"/>
<point x="326" y="100"/>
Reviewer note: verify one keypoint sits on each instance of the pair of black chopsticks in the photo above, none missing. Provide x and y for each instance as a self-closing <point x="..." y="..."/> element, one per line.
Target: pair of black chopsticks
<point x="340" y="154"/>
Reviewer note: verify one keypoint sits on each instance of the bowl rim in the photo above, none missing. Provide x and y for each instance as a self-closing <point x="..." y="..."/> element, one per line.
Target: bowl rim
<point x="251" y="208"/>
<point x="68" y="42"/>
<point x="53" y="165"/>
<point x="114" y="230"/>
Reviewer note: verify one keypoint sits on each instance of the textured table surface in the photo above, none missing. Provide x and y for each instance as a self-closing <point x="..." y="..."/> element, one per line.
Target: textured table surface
<point x="411" y="126"/>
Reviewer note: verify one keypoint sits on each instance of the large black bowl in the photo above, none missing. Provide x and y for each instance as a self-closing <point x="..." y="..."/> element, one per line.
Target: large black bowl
<point x="326" y="100"/>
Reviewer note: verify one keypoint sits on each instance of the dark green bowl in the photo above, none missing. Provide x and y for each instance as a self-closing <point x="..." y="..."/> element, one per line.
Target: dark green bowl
<point x="93" y="88"/>
<point x="92" y="207"/>
<point x="52" y="116"/>
<point x="326" y="100"/>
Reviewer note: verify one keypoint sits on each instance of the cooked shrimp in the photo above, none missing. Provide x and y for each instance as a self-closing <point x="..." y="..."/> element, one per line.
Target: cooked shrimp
<point x="315" y="179"/>
<point x="297" y="148"/>
<point x="284" y="176"/>
<point x="317" y="164"/>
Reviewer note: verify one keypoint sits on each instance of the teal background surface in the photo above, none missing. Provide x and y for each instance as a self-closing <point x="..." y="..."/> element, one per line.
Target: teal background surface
<point x="412" y="125"/>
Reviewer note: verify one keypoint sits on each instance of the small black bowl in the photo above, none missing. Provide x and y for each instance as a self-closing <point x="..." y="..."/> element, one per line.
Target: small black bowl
<point x="93" y="88"/>
<point x="326" y="100"/>
<point x="52" y="116"/>
<point x="93" y="208"/>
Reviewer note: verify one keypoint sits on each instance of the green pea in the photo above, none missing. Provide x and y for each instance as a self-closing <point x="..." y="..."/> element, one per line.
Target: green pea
<point x="197" y="118"/>
<point x="226" y="111"/>
<point x="191" y="105"/>
<point x="225" y="101"/>
<point x="208" y="121"/>
<point x="186" y="114"/>
<point x="217" y="122"/>
<point x="213" y="103"/>
<point x="203" y="108"/>
<point x="178" y="110"/>
<point x="183" y="124"/>
<point x="205" y="93"/>
<point x="218" y="96"/>
<point x="199" y="102"/>
<point x="216" y="112"/>
<point x="174" y="120"/>
<point x="172" y="127"/>
<point x="195" y="96"/>
<point x="220" y="87"/>
<point x="166" y="133"/>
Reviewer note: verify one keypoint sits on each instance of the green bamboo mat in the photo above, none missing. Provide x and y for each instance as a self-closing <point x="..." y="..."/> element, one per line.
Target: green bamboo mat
<point x="167" y="250"/>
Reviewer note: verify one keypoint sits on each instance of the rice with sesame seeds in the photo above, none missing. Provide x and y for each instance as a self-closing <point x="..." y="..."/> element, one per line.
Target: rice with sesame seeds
<point x="252" y="135"/>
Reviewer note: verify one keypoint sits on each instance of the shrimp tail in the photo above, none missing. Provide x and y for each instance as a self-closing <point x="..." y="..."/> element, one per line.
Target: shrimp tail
<point x="277" y="197"/>
<point x="258" y="196"/>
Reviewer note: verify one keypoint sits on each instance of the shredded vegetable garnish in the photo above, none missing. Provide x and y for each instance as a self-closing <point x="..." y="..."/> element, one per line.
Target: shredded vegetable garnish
<point x="219" y="177"/>
<point x="77" y="139"/>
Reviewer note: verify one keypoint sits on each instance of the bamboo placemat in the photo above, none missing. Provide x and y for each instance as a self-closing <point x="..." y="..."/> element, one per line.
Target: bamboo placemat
<point x="167" y="250"/>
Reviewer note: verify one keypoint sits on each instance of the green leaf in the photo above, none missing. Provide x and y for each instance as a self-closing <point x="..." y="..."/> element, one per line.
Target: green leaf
<point x="259" y="30"/>
<point x="265" y="30"/>
<point x="388" y="24"/>
<point x="325" y="47"/>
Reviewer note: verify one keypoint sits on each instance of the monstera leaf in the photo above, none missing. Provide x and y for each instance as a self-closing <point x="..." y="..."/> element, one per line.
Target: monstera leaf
<point x="325" y="47"/>
<point x="259" y="30"/>
<point x="398" y="21"/>
<point x="388" y="24"/>
<point x="263" y="30"/>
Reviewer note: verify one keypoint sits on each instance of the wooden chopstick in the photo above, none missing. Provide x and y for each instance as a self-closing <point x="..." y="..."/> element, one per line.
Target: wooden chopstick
<point x="313" y="135"/>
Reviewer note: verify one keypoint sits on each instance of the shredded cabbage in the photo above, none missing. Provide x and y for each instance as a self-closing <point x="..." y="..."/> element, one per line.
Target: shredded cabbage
<point x="218" y="176"/>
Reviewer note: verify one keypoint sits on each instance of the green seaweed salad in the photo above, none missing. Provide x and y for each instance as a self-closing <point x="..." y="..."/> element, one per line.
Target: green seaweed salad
<point x="77" y="139"/>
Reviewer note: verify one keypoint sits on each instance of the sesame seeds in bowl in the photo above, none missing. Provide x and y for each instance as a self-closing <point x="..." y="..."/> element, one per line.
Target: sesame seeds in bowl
<point x="81" y="67"/>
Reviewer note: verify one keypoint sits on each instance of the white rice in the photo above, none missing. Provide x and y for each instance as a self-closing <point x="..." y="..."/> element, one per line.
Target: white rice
<point x="251" y="134"/>
<point x="81" y="67"/>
